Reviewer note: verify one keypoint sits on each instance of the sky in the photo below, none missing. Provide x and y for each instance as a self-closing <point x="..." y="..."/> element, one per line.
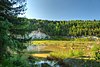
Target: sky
<point x="63" y="9"/>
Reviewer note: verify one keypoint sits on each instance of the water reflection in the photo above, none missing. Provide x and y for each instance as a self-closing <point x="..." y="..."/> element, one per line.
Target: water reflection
<point x="47" y="63"/>
<point x="35" y="47"/>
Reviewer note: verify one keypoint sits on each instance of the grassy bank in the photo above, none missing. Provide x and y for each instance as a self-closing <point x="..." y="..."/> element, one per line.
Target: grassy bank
<point x="72" y="53"/>
<point x="76" y="47"/>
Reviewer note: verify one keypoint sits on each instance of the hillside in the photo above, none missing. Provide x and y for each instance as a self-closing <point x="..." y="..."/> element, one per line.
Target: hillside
<point x="75" y="28"/>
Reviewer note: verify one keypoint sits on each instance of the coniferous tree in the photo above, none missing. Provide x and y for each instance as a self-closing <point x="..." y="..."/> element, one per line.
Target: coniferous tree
<point x="9" y="10"/>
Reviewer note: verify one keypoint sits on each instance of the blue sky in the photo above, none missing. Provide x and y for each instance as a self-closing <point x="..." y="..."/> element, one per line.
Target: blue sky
<point x="63" y="9"/>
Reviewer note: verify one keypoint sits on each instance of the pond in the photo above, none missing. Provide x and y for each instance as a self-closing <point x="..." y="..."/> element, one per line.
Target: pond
<point x="46" y="63"/>
<point x="60" y="46"/>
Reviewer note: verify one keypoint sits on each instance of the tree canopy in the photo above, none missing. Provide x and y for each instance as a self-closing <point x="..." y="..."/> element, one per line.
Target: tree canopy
<point x="9" y="11"/>
<point x="75" y="28"/>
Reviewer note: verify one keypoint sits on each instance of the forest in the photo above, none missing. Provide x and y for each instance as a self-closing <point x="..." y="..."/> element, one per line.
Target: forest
<point x="76" y="28"/>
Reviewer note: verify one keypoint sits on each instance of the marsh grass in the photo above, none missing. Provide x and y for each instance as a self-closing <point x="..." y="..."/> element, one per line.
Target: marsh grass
<point x="96" y="51"/>
<point x="81" y="53"/>
<point x="68" y="54"/>
<point x="66" y="45"/>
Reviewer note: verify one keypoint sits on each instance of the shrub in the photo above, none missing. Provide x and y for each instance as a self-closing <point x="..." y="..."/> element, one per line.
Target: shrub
<point x="81" y="39"/>
<point x="96" y="51"/>
<point x="60" y="38"/>
<point x="70" y="53"/>
<point x="78" y="53"/>
<point x="97" y="55"/>
<point x="58" y="55"/>
<point x="17" y="61"/>
<point x="96" y="47"/>
<point x="64" y="54"/>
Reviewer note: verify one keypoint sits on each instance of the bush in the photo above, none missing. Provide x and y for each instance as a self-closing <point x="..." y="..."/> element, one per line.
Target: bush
<point x="96" y="51"/>
<point x="81" y="39"/>
<point x="64" y="54"/>
<point x="96" y="47"/>
<point x="58" y="55"/>
<point x="97" y="55"/>
<point x="60" y="38"/>
<point x="70" y="53"/>
<point x="78" y="53"/>
<point x="17" y="61"/>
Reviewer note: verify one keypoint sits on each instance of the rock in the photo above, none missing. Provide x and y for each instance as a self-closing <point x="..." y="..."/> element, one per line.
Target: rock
<point x="50" y="58"/>
<point x="71" y="62"/>
<point x="45" y="65"/>
<point x="63" y="63"/>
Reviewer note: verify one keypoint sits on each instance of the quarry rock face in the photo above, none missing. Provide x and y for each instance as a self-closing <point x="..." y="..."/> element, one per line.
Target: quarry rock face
<point x="38" y="35"/>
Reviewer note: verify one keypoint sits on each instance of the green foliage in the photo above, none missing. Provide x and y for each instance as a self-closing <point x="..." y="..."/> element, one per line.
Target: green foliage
<point x="64" y="54"/>
<point x="58" y="55"/>
<point x="82" y="39"/>
<point x="78" y="53"/>
<point x="97" y="55"/>
<point x="75" y="53"/>
<point x="75" y="28"/>
<point x="61" y="38"/>
<point x="66" y="30"/>
<point x="5" y="40"/>
<point x="96" y="47"/>
<point x="17" y="61"/>
<point x="96" y="51"/>
<point x="8" y="20"/>
<point x="70" y="53"/>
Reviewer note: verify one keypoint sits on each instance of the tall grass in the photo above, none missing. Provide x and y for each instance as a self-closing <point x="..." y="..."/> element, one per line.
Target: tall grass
<point x="64" y="54"/>
<point x="96" y="51"/>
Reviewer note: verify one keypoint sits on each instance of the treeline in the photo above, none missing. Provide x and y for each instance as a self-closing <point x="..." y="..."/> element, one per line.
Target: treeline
<point x="11" y="48"/>
<point x="76" y="28"/>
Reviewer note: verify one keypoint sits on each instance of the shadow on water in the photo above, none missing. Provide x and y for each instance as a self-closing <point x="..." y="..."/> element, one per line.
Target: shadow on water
<point x="83" y="61"/>
<point x="40" y="52"/>
<point x="73" y="62"/>
<point x="68" y="62"/>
